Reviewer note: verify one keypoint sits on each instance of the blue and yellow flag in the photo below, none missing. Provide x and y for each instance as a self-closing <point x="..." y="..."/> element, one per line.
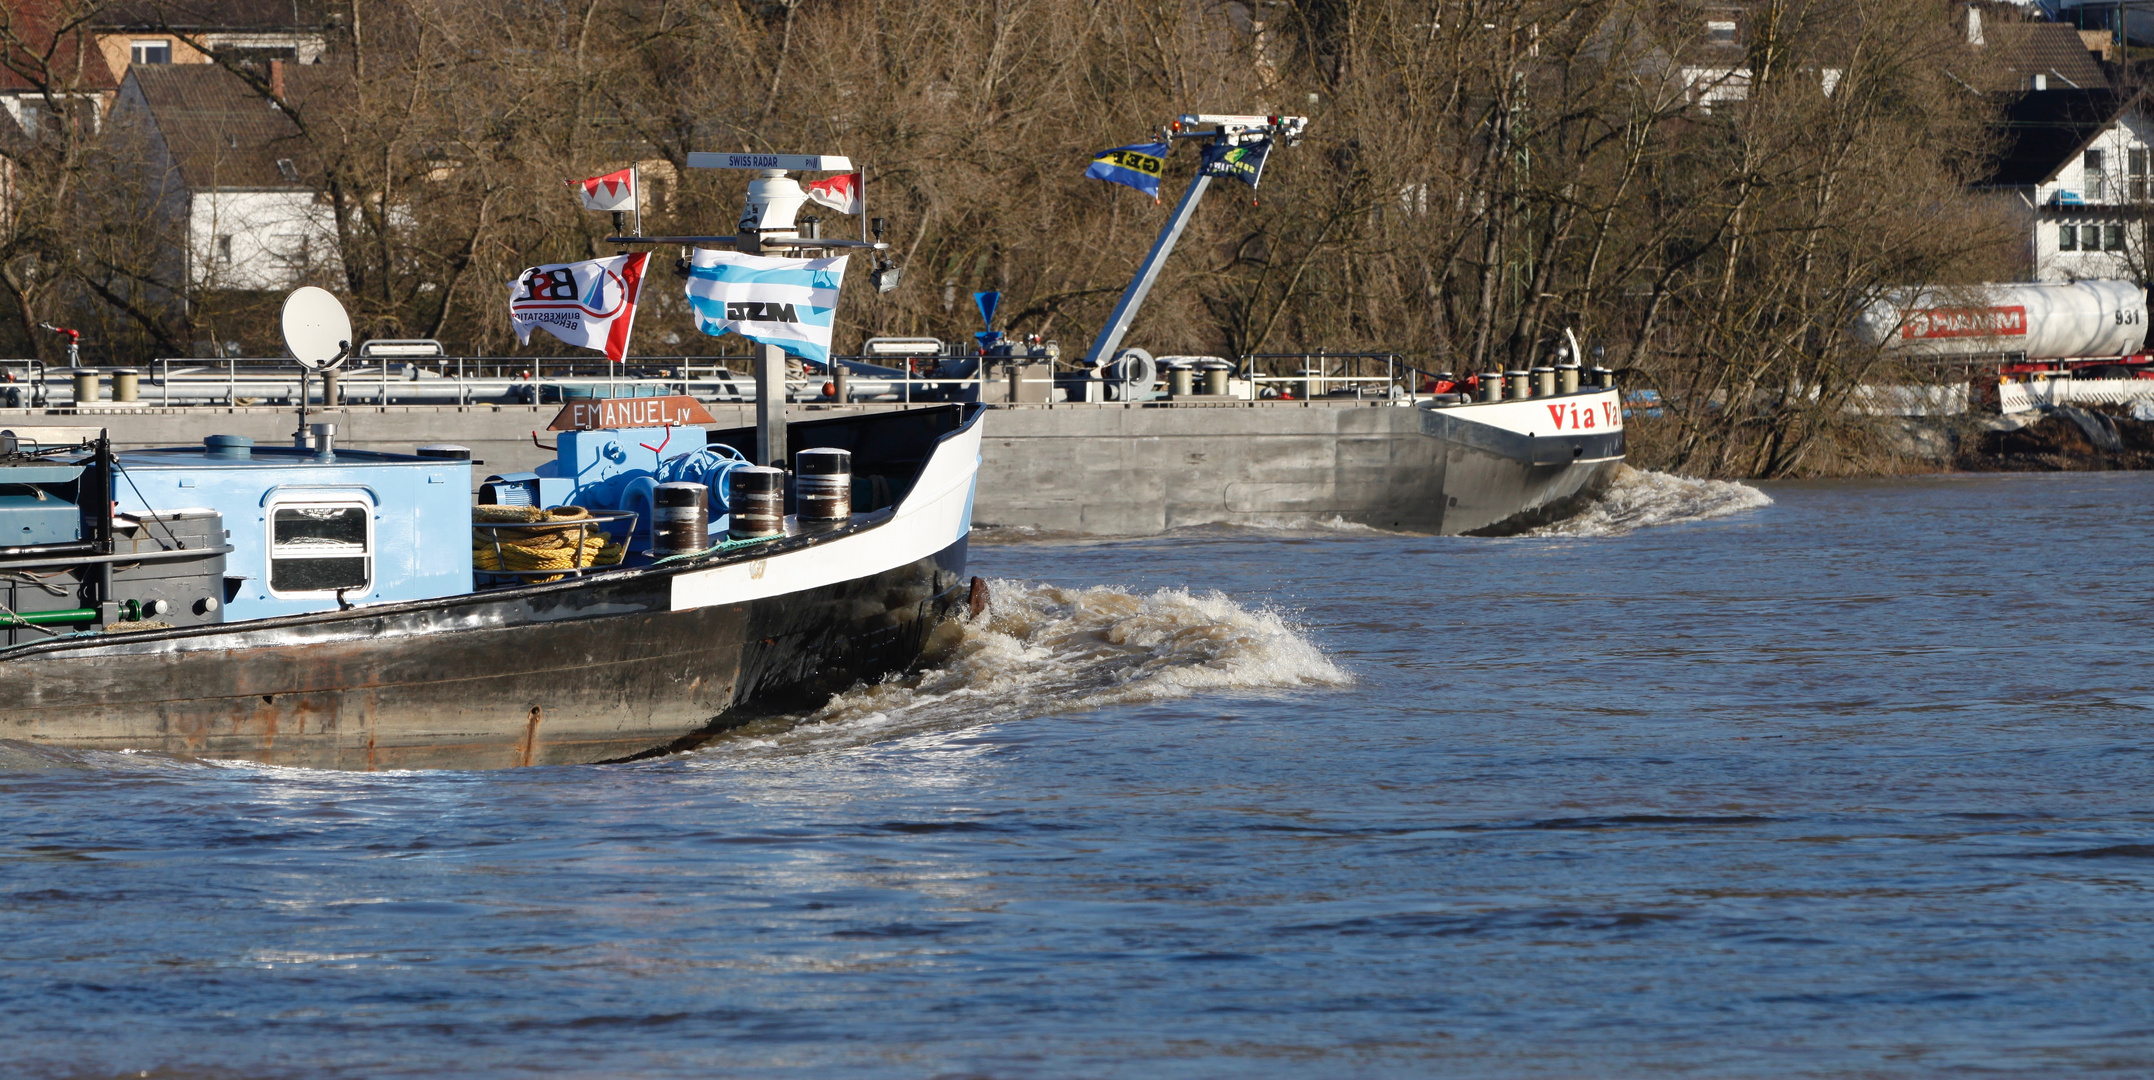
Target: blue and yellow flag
<point x="1244" y="163"/>
<point x="1138" y="166"/>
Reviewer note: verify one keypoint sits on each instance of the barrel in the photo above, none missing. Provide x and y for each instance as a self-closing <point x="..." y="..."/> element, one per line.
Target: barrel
<point x="1567" y="377"/>
<point x="1181" y="378"/>
<point x="85" y="384"/>
<point x="1215" y="376"/>
<point x="1521" y="383"/>
<point x="1544" y="381"/>
<point x="823" y="487"/>
<point x="757" y="501"/>
<point x="680" y="519"/>
<point x="1492" y="386"/>
<point x="1603" y="377"/>
<point x="125" y="384"/>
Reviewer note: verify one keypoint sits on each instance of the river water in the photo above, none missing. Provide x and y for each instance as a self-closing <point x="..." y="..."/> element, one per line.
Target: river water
<point x="1833" y="780"/>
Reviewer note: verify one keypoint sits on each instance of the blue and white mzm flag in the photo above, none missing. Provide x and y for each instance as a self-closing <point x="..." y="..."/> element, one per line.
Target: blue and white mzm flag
<point x="784" y="302"/>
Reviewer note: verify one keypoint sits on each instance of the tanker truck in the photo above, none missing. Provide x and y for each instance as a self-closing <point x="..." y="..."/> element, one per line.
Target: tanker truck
<point x="2025" y="327"/>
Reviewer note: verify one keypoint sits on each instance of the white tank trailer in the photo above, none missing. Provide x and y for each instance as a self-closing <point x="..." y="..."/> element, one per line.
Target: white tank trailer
<point x="2040" y="320"/>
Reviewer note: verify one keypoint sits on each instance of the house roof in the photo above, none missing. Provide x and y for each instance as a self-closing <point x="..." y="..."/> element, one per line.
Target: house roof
<point x="209" y="15"/>
<point x="2045" y="129"/>
<point x="38" y="45"/>
<point x="2021" y="50"/>
<point x="221" y="133"/>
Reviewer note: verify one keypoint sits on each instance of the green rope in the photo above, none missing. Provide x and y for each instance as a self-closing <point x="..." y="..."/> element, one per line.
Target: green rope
<point x="720" y="548"/>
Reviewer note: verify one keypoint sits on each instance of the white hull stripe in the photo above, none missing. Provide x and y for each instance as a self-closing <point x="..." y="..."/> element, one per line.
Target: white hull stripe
<point x="935" y="514"/>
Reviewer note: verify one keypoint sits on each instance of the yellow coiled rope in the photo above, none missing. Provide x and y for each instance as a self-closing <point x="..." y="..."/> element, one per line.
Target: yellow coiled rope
<point x="572" y="544"/>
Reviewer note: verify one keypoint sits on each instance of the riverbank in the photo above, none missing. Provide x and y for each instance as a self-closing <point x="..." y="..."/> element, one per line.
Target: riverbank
<point x="2093" y="438"/>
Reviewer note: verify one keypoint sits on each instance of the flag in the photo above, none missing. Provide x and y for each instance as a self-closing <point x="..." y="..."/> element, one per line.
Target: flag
<point x="1244" y="163"/>
<point x="591" y="305"/>
<point x="784" y="302"/>
<point x="613" y="191"/>
<point x="1138" y="166"/>
<point x="840" y="193"/>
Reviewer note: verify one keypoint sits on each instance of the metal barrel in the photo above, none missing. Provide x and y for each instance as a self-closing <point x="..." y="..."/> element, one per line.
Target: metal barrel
<point x="86" y="388"/>
<point x="1544" y="381"/>
<point x="823" y="487"/>
<point x="1492" y="386"/>
<point x="756" y="501"/>
<point x="125" y="382"/>
<point x="1181" y="378"/>
<point x="1567" y="377"/>
<point x="680" y="519"/>
<point x="1603" y="378"/>
<point x="1215" y="376"/>
<point x="1521" y="383"/>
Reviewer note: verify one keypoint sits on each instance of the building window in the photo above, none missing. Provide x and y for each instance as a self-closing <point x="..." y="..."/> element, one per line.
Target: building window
<point x="153" y="52"/>
<point x="2135" y="168"/>
<point x="1720" y="32"/>
<point x="2067" y="238"/>
<point x="320" y="548"/>
<point x="287" y="170"/>
<point x="2112" y="238"/>
<point x="2090" y="168"/>
<point x="2090" y="238"/>
<point x="224" y="248"/>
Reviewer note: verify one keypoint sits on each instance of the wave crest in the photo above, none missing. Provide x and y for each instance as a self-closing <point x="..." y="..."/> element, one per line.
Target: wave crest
<point x="1639" y="498"/>
<point x="1042" y="649"/>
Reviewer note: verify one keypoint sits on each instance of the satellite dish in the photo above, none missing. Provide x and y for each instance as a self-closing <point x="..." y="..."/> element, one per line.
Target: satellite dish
<point x="316" y="329"/>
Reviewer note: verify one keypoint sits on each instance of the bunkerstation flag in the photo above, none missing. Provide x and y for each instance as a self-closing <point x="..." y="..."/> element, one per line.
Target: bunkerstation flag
<point x="1244" y="163"/>
<point x="1138" y="166"/>
<point x="840" y="193"/>
<point x="613" y="191"/>
<point x="784" y="302"/>
<point x="591" y="304"/>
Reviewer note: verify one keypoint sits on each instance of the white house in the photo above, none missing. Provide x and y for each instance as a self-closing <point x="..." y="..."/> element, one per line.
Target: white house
<point x="230" y="166"/>
<point x="2079" y="166"/>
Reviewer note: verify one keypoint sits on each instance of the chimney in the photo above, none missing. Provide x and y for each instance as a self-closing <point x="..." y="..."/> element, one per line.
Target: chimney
<point x="276" y="80"/>
<point x="1974" y="25"/>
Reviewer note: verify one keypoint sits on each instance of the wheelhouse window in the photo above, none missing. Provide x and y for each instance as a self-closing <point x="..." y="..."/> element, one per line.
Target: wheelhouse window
<point x="320" y="548"/>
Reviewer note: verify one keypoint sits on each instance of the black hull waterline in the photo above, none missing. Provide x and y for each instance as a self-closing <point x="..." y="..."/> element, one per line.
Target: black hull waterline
<point x="600" y="668"/>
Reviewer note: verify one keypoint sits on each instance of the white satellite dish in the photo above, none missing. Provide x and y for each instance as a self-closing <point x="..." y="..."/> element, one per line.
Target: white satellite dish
<point x="316" y="329"/>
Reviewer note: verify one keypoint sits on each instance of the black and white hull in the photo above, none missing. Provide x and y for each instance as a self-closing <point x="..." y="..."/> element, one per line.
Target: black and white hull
<point x="598" y="668"/>
<point x="1508" y="466"/>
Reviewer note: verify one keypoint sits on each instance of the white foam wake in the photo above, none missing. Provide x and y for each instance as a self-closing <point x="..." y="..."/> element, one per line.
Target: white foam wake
<point x="1639" y="498"/>
<point x="1042" y="649"/>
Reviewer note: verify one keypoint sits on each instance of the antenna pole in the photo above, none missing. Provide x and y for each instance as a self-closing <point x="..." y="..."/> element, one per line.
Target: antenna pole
<point x="299" y="436"/>
<point x="1125" y="311"/>
<point x="769" y="383"/>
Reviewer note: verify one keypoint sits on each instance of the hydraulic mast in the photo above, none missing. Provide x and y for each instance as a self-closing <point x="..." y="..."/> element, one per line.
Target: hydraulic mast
<point x="1223" y="129"/>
